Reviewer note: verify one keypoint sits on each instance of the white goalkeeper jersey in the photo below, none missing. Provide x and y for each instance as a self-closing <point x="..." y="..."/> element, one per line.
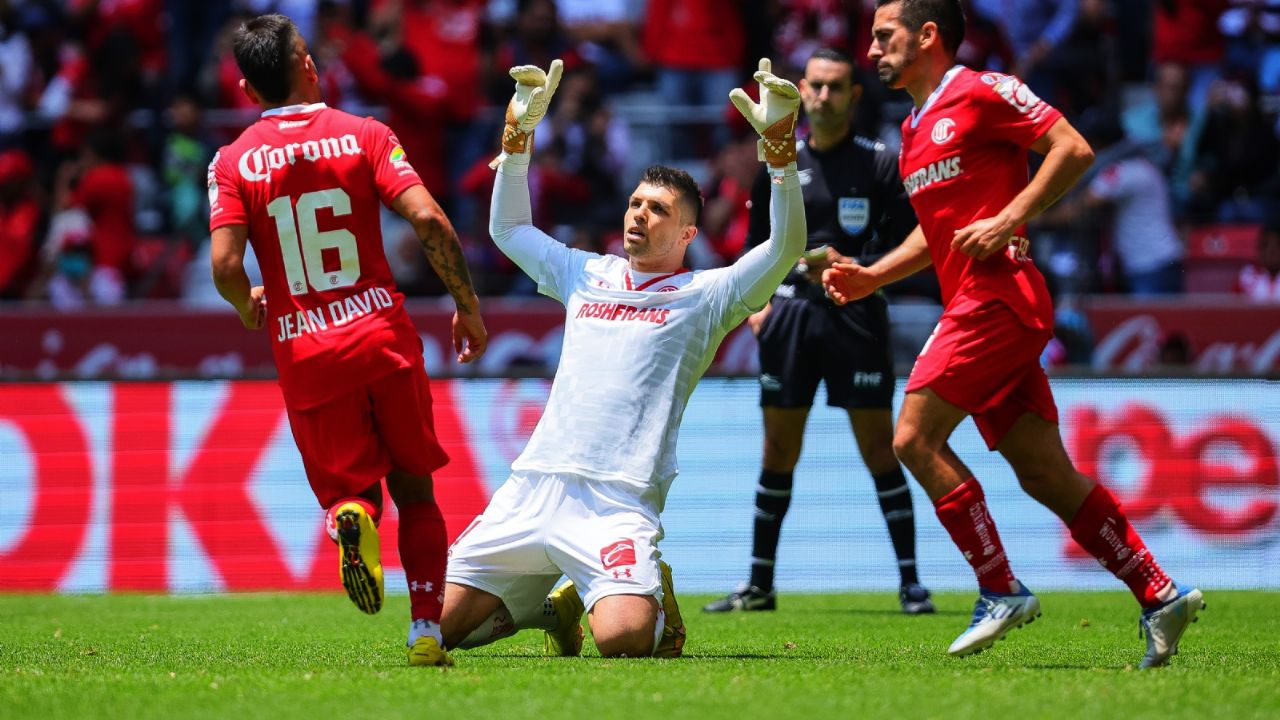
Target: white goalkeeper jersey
<point x="635" y="344"/>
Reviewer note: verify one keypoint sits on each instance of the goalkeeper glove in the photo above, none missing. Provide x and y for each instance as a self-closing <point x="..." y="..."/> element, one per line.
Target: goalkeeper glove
<point x="528" y="105"/>
<point x="774" y="117"/>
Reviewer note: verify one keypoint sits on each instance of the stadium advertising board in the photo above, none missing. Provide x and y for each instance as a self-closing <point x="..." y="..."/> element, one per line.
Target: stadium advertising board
<point x="196" y="486"/>
<point x="170" y="341"/>
<point x="1222" y="337"/>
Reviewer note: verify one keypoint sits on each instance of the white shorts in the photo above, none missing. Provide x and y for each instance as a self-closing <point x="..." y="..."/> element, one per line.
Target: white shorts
<point x="603" y="536"/>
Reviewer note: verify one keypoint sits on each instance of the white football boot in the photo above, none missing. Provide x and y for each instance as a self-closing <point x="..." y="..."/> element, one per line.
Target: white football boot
<point x="1164" y="625"/>
<point x="994" y="615"/>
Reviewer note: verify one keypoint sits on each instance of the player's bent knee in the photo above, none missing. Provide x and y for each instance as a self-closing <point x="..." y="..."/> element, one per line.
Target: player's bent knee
<point x="910" y="447"/>
<point x="625" y="625"/>
<point x="629" y="644"/>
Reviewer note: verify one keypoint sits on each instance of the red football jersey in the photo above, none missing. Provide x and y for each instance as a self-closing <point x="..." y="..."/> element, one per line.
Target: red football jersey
<point x="308" y="180"/>
<point x="963" y="158"/>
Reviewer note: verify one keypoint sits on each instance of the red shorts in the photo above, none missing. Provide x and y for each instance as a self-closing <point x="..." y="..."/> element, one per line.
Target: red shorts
<point x="354" y="440"/>
<point x="987" y="363"/>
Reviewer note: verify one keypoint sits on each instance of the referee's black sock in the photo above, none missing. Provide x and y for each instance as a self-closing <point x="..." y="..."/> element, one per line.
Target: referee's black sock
<point x="895" y="504"/>
<point x="773" y="497"/>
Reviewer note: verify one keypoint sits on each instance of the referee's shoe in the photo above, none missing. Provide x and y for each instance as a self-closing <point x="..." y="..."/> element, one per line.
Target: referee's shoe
<point x="747" y="597"/>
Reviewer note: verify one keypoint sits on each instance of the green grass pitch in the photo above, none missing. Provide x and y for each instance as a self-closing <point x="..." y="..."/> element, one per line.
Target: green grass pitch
<point x="819" y="656"/>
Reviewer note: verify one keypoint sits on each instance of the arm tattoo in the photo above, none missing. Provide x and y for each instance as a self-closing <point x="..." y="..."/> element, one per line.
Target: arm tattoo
<point x="444" y="252"/>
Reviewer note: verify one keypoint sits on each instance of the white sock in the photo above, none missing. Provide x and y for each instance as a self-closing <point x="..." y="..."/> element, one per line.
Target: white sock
<point x="547" y="619"/>
<point x="495" y="627"/>
<point x="424" y="628"/>
<point x="658" y="627"/>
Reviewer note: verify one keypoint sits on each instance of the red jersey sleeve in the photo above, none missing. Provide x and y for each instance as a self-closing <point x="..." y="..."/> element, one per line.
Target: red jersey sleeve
<point x="392" y="173"/>
<point x="1010" y="111"/>
<point x="225" y="205"/>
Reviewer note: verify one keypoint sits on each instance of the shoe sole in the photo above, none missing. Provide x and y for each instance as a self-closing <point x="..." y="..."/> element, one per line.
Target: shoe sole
<point x="714" y="608"/>
<point x="975" y="649"/>
<point x="670" y="646"/>
<point x="924" y="608"/>
<point x="1193" y="613"/>
<point x="358" y="580"/>
<point x="552" y="644"/>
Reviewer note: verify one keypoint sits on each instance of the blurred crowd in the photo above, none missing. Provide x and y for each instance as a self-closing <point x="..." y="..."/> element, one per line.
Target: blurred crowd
<point x="110" y="111"/>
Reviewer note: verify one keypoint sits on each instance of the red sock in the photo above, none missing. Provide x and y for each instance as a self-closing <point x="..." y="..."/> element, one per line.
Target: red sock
<point x="963" y="513"/>
<point x="424" y="549"/>
<point x="331" y="524"/>
<point x="1103" y="530"/>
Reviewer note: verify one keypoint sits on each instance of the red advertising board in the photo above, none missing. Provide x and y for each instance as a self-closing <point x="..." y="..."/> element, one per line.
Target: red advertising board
<point x="197" y="486"/>
<point x="168" y="340"/>
<point x="1225" y="335"/>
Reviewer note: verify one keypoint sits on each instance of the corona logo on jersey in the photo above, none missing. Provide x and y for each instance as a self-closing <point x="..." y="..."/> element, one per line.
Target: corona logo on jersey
<point x="943" y="169"/>
<point x="256" y="165"/>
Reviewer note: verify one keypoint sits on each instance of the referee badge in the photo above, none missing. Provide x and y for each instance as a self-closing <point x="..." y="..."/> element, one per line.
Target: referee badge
<point x="853" y="213"/>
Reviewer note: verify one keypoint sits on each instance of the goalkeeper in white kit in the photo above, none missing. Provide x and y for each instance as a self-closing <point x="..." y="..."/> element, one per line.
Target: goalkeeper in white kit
<point x="584" y="497"/>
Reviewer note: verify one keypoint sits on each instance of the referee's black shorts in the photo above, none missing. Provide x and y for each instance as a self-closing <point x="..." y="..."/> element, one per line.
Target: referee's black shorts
<point x="805" y="341"/>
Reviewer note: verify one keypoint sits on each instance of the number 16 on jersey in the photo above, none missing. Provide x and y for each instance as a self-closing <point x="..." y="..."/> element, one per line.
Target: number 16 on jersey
<point x="302" y="243"/>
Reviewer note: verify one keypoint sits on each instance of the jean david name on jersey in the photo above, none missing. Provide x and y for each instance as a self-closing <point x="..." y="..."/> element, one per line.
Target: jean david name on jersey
<point x="256" y="165"/>
<point x="336" y="313"/>
<point x="943" y="169"/>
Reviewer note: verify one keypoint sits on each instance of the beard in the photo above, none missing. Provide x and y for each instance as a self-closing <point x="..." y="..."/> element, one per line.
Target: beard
<point x="891" y="74"/>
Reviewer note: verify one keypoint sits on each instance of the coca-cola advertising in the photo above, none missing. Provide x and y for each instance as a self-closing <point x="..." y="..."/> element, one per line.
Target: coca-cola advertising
<point x="1222" y="336"/>
<point x="197" y="486"/>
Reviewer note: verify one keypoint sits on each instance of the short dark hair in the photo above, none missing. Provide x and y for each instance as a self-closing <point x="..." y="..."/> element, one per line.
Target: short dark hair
<point x="948" y="15"/>
<point x="263" y="48"/>
<point x="831" y="54"/>
<point x="681" y="183"/>
<point x="835" y="55"/>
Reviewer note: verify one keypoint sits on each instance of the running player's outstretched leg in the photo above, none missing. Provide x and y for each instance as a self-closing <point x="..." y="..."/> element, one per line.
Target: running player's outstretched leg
<point x="1098" y="524"/>
<point x="352" y="524"/>
<point x="925" y="423"/>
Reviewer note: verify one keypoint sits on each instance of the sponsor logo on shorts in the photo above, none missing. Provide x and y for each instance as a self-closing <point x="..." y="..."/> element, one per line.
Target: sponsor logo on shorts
<point x="867" y="379"/>
<point x="770" y="383"/>
<point x="618" y="554"/>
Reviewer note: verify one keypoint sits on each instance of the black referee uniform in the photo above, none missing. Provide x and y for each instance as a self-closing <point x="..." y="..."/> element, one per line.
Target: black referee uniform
<point x="854" y="202"/>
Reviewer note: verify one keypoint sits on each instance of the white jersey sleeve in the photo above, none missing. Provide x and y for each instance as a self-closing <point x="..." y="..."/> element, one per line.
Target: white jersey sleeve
<point x="745" y="286"/>
<point x="552" y="264"/>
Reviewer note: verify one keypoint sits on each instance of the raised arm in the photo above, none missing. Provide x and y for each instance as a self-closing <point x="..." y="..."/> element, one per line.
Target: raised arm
<point x="444" y="252"/>
<point x="760" y="270"/>
<point x="510" y="213"/>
